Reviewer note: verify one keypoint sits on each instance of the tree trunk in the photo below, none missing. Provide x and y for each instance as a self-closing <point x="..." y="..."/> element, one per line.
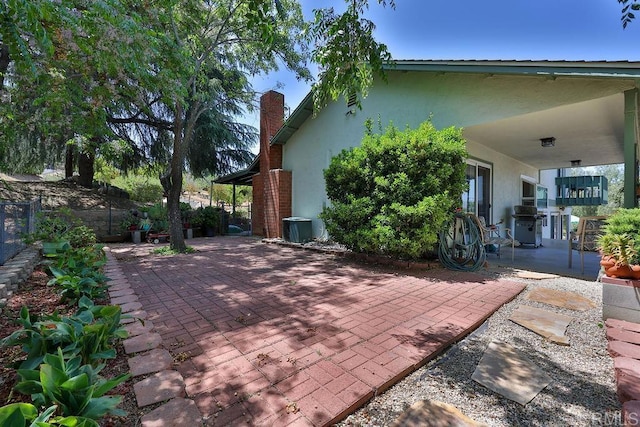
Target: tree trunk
<point x="5" y="60"/>
<point x="68" y="161"/>
<point x="85" y="169"/>
<point x="174" y="182"/>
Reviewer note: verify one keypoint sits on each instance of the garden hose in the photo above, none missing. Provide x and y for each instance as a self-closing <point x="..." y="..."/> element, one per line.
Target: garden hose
<point x="460" y="247"/>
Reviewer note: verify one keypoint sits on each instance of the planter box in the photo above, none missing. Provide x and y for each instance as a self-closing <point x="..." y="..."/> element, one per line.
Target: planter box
<point x="621" y="299"/>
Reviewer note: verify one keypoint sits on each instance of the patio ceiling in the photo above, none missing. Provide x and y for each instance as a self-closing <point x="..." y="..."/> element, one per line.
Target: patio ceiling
<point x="590" y="131"/>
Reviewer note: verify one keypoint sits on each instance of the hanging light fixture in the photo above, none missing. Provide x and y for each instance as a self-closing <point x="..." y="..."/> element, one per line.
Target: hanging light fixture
<point x="548" y="141"/>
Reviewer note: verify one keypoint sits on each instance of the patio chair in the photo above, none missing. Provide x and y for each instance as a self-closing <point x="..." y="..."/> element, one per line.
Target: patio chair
<point x="585" y="238"/>
<point x="491" y="235"/>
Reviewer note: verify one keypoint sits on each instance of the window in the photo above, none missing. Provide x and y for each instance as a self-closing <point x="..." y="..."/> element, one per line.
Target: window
<point x="542" y="199"/>
<point x="528" y="193"/>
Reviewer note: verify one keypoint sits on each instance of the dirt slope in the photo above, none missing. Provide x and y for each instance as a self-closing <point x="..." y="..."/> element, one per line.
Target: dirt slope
<point x="56" y="194"/>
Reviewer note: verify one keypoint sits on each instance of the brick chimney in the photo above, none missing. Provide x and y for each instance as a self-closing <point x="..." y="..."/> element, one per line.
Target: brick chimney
<point x="272" y="186"/>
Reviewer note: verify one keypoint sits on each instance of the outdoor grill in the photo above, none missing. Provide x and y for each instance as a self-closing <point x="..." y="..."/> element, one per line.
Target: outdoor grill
<point x="528" y="226"/>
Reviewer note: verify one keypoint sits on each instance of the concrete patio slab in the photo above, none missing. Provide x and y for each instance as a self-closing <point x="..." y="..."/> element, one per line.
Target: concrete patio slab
<point x="274" y="335"/>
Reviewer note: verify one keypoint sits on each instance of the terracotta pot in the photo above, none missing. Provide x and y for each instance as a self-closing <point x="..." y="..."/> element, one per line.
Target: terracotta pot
<point x="607" y="261"/>
<point x="620" y="271"/>
<point x="636" y="271"/>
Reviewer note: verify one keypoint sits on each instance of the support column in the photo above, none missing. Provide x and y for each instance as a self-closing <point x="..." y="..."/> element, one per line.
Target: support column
<point x="630" y="147"/>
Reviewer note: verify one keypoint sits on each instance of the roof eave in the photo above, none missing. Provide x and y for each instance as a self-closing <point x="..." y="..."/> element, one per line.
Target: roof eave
<point x="600" y="69"/>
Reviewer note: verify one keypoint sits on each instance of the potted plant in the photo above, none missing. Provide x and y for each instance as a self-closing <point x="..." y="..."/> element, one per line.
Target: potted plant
<point x="51" y="228"/>
<point x="619" y="244"/>
<point x="185" y="214"/>
<point x="210" y="220"/>
<point x="130" y="221"/>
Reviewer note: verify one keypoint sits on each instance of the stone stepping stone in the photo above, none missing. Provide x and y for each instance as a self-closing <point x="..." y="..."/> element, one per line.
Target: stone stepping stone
<point x="505" y="371"/>
<point x="154" y="361"/>
<point x="563" y="299"/>
<point x="131" y="307"/>
<point x="159" y="387"/>
<point x="138" y="328"/>
<point x="177" y="412"/>
<point x="124" y="300"/>
<point x="547" y="324"/>
<point x="142" y="343"/>
<point x="134" y="316"/>
<point x="524" y="274"/>
<point x="431" y="413"/>
<point x="121" y="293"/>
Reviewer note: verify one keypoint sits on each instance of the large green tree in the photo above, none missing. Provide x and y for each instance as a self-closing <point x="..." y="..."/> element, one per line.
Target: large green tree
<point x="220" y="44"/>
<point x="167" y="76"/>
<point x="68" y="64"/>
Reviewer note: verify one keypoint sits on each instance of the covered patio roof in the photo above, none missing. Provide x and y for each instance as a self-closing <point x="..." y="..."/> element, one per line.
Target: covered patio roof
<point x="591" y="131"/>
<point x="243" y="177"/>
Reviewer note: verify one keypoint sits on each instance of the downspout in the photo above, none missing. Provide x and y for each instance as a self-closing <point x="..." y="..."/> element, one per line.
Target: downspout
<point x="630" y="147"/>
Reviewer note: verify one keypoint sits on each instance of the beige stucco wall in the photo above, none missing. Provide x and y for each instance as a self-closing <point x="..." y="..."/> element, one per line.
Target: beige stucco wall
<point x="409" y="99"/>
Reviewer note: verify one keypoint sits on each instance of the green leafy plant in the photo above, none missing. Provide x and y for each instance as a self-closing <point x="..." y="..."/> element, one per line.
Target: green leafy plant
<point x="166" y="250"/>
<point x="51" y="226"/>
<point x="80" y="236"/>
<point x="73" y="287"/>
<point x="78" y="272"/>
<point x="129" y="221"/>
<point x="620" y="239"/>
<point x="89" y="334"/>
<point x="145" y="192"/>
<point x="393" y="194"/>
<point x="26" y="415"/>
<point x="85" y="261"/>
<point x="185" y="212"/>
<point x="77" y="389"/>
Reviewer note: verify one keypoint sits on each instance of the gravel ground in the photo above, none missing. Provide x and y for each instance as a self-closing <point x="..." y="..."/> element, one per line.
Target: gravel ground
<point x="582" y="391"/>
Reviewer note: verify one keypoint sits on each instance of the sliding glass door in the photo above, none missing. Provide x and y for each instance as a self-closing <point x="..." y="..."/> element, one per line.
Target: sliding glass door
<point x="477" y="199"/>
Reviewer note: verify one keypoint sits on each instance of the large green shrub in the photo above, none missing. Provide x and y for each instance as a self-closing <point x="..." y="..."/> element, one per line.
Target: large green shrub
<point x="393" y="194"/>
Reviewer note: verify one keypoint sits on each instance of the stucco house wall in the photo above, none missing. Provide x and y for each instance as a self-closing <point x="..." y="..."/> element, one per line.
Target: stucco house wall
<point x="450" y="99"/>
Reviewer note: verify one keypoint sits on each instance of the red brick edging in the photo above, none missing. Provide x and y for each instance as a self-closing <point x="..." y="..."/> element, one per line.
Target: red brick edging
<point x="164" y="385"/>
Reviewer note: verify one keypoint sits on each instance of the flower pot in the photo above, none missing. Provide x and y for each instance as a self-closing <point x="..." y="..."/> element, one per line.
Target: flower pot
<point x="607" y="262"/>
<point x="623" y="271"/>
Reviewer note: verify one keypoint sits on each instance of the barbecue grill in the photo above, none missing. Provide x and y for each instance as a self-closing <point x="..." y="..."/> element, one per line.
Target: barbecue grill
<point x="528" y="226"/>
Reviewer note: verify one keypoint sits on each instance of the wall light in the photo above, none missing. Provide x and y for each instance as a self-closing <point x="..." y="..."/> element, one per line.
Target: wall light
<point x="575" y="163"/>
<point x="548" y="142"/>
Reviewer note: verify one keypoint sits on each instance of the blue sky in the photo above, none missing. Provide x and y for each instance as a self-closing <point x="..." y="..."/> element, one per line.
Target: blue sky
<point x="498" y="29"/>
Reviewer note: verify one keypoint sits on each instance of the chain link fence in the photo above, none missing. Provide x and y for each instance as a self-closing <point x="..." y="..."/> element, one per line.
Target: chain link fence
<point x="16" y="219"/>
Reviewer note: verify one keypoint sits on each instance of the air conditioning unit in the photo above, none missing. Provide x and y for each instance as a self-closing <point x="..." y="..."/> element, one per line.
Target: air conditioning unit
<point x="296" y="229"/>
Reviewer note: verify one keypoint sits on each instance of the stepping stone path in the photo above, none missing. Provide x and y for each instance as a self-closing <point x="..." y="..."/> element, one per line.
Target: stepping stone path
<point x="561" y="299"/>
<point x="545" y="323"/>
<point x="431" y="413"/>
<point x="164" y="385"/>
<point x="624" y="347"/>
<point x="504" y="370"/>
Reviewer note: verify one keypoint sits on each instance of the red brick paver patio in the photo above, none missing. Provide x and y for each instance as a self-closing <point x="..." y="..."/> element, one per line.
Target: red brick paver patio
<point x="269" y="335"/>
